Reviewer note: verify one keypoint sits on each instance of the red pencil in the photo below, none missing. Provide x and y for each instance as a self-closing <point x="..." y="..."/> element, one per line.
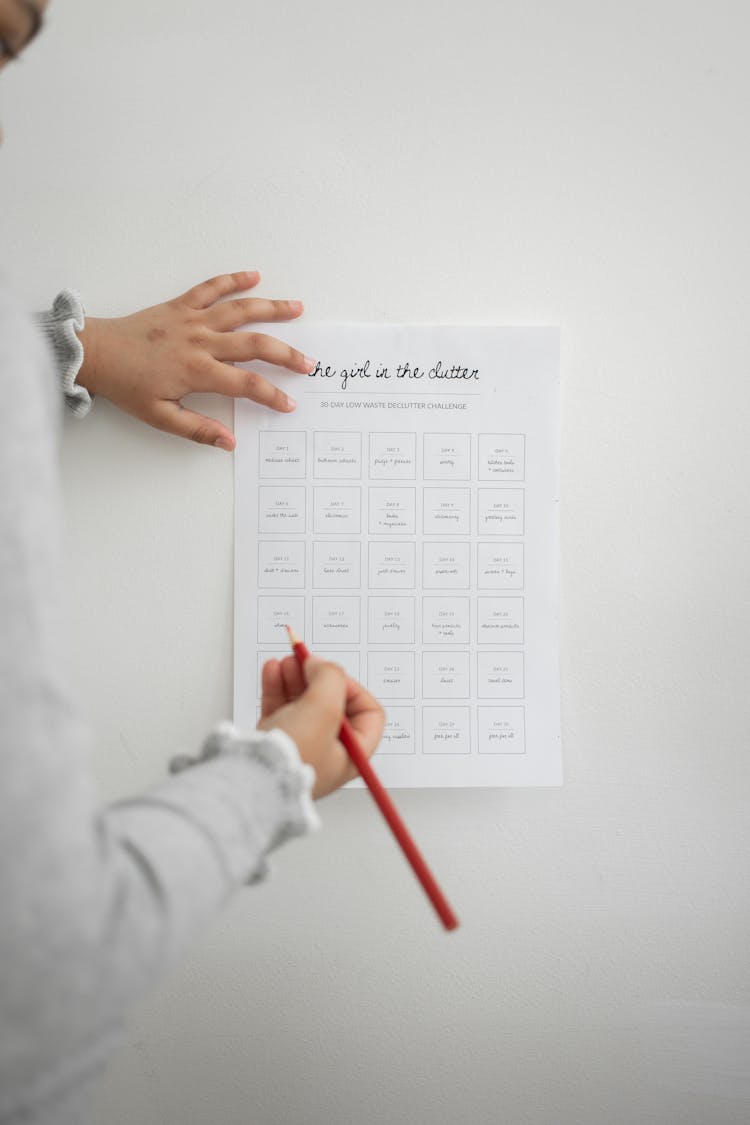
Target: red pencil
<point x="386" y="806"/>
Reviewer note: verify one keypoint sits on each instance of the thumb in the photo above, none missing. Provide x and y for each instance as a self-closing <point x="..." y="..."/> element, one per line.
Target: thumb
<point x="177" y="419"/>
<point x="326" y="689"/>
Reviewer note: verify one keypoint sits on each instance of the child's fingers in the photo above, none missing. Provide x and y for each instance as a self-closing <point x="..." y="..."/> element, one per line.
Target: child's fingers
<point x="177" y="419"/>
<point x="223" y="379"/>
<point x="272" y="687"/>
<point x="251" y="310"/>
<point x="326" y="691"/>
<point x="294" y="681"/>
<point x="245" y="347"/>
<point x="205" y="294"/>
<point x="365" y="714"/>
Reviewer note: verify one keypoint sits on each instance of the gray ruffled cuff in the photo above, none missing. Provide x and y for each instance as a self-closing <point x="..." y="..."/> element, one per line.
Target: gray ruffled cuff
<point x="59" y="325"/>
<point x="276" y="752"/>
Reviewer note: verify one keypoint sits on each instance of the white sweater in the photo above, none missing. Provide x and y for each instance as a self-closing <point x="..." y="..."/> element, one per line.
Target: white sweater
<point x="94" y="900"/>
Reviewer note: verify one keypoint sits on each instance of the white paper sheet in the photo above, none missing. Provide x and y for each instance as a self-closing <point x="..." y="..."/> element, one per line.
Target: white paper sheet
<point x="404" y="521"/>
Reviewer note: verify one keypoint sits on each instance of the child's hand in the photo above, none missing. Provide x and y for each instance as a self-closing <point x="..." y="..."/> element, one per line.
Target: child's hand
<point x="309" y="707"/>
<point x="146" y="363"/>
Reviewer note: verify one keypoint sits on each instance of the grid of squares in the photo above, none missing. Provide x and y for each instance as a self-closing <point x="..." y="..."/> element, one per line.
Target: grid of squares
<point x="413" y="547"/>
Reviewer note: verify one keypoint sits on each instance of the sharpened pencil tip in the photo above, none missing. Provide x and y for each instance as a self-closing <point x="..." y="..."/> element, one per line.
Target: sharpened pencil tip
<point x="293" y="638"/>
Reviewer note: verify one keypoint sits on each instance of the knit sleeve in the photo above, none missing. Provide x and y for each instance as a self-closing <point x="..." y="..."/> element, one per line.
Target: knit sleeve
<point x="95" y="899"/>
<point x="174" y="854"/>
<point x="59" y="325"/>
<point x="291" y="813"/>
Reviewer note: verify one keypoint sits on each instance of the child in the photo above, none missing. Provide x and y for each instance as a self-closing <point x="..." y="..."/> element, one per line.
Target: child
<point x="96" y="900"/>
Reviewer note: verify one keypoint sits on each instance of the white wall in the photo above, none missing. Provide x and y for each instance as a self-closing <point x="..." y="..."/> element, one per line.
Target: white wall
<point x="574" y="163"/>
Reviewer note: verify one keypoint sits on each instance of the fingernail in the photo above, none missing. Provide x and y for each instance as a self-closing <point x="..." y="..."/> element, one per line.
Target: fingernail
<point x="223" y="443"/>
<point x="291" y="403"/>
<point x="310" y="363"/>
<point x="296" y="306"/>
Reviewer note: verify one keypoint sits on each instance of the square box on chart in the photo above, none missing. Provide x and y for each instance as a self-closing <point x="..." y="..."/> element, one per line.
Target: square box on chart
<point x="392" y="511"/>
<point x="336" y="566"/>
<point x="501" y="730"/>
<point x="281" y="565"/>
<point x="393" y="456"/>
<point x="337" y="511"/>
<point x="399" y="734"/>
<point x="502" y="457"/>
<point x="500" y="566"/>
<point x="499" y="621"/>
<point x="446" y="730"/>
<point x="500" y="511"/>
<point x="390" y="620"/>
<point x="282" y="454"/>
<point x="447" y="457"/>
<point x="335" y="621"/>
<point x="392" y="566"/>
<point x="281" y="510"/>
<point x="445" y="675"/>
<point x="445" y="620"/>
<point x="390" y="675"/>
<point x="337" y="456"/>
<point x="445" y="566"/>
<point x="275" y="612"/>
<point x="447" y="511"/>
<point x="500" y="675"/>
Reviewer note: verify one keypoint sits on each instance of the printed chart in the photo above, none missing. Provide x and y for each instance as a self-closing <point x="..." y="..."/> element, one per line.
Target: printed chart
<point x="404" y="521"/>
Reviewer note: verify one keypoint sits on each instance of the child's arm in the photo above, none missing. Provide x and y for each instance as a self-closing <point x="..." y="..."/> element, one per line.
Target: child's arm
<point x="96" y="899"/>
